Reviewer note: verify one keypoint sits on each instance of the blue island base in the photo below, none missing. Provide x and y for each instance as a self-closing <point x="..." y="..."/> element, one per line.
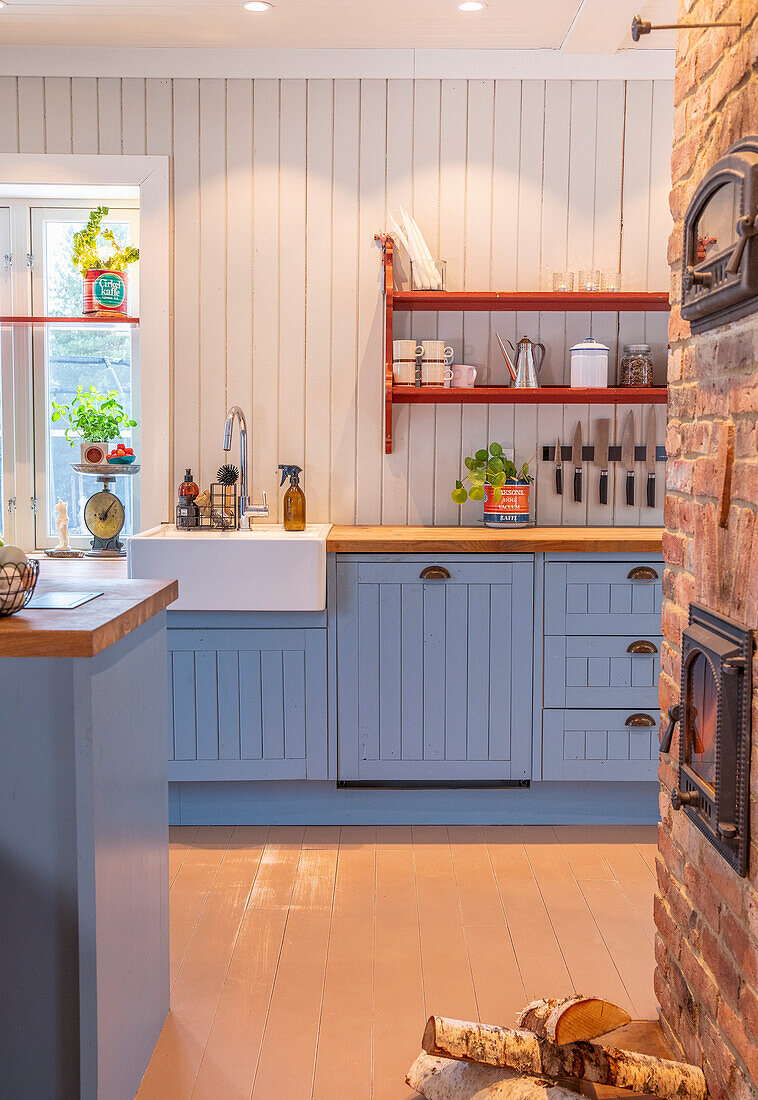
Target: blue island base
<point x="323" y="803"/>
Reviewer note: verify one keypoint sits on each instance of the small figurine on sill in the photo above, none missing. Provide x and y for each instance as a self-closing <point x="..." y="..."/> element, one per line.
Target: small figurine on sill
<point x="63" y="549"/>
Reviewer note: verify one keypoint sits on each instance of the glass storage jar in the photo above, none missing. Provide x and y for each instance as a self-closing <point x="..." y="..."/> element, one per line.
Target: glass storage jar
<point x="636" y="368"/>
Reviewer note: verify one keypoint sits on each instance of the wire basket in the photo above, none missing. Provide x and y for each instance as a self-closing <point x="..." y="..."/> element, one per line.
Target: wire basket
<point x="17" y="584"/>
<point x="214" y="511"/>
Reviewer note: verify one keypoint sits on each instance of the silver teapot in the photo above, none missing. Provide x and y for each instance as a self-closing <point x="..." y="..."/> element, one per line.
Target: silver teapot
<point x="526" y="372"/>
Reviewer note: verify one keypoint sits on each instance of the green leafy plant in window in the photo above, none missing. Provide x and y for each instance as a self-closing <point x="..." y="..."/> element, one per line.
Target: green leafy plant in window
<point x="92" y="416"/>
<point x="489" y="467"/>
<point x="86" y="255"/>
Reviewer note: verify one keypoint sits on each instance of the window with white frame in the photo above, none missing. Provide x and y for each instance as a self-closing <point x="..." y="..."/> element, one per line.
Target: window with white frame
<point x="45" y="362"/>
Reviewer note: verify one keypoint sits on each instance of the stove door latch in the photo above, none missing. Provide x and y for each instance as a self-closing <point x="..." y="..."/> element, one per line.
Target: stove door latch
<point x="674" y="714"/>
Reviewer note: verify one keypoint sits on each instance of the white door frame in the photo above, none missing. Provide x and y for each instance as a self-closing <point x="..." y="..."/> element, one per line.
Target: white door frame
<point x="151" y="175"/>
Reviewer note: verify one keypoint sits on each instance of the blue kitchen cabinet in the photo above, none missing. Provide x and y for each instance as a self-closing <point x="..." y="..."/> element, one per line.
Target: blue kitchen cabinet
<point x="247" y="702"/>
<point x="600" y="745"/>
<point x="587" y="596"/>
<point x="434" y="667"/>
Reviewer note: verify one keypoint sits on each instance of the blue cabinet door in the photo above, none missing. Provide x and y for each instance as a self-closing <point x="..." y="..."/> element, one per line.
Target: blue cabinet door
<point x="603" y="597"/>
<point x="434" y="673"/>
<point x="608" y="745"/>
<point x="247" y="704"/>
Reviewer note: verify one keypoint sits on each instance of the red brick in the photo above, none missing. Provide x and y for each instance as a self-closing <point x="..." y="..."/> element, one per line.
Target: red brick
<point x="703" y="987"/>
<point x="740" y="945"/>
<point x="670" y="855"/>
<point x="706" y="477"/>
<point x="745" y="1048"/>
<point x="705" y="900"/>
<point x="667" y="926"/>
<point x="745" y="481"/>
<point x="720" y="964"/>
<point x="673" y="548"/>
<point x="679" y="475"/>
<point x="749" y="1009"/>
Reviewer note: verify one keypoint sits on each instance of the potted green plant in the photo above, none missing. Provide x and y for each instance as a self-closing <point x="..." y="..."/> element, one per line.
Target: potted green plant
<point x="503" y="487"/>
<point x="105" y="280"/>
<point x="95" y="419"/>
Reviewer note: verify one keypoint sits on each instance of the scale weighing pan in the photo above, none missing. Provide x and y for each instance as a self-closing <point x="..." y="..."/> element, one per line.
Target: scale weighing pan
<point x="60" y="601"/>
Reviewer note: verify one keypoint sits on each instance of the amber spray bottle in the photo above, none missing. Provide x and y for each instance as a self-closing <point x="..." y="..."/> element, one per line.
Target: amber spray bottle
<point x="294" y="499"/>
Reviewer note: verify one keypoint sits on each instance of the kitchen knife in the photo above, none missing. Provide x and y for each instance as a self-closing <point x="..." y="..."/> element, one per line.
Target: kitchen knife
<point x="627" y="456"/>
<point x="558" y="468"/>
<point x="576" y="458"/>
<point x="650" y="456"/>
<point x="602" y="434"/>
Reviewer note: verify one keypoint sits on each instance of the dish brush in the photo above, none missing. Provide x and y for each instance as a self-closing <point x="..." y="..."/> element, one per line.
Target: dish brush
<point x="228" y="474"/>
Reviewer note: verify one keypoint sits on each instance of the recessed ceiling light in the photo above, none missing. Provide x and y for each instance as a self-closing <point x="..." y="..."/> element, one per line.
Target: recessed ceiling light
<point x="471" y="5"/>
<point x="257" y="5"/>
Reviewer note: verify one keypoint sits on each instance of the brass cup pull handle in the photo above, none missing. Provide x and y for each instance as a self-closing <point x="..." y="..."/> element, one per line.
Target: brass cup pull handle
<point x="642" y="645"/>
<point x="434" y="573"/>
<point x="640" y="720"/>
<point x="642" y="573"/>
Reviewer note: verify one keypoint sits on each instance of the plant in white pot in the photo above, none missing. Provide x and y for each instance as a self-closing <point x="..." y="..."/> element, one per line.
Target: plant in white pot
<point x="95" y="419"/>
<point x="503" y="487"/>
<point x="106" y="285"/>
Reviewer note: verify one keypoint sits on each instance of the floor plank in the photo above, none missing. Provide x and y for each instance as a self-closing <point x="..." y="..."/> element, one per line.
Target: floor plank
<point x="288" y="1053"/>
<point x="541" y="962"/>
<point x="180" y="839"/>
<point x="200" y="980"/>
<point x="307" y="958"/>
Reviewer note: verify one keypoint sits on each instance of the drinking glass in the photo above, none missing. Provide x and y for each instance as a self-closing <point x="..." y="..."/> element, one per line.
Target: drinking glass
<point x="563" y="281"/>
<point x="589" y="280"/>
<point x="611" y="280"/>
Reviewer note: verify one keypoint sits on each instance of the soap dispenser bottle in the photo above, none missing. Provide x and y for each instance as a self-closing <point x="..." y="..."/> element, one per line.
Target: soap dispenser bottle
<point x="294" y="499"/>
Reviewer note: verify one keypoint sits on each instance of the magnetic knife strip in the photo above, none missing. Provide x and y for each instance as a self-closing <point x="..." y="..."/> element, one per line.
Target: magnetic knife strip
<point x="614" y="454"/>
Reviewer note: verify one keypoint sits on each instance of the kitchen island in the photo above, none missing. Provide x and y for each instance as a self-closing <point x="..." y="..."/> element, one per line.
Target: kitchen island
<point x="84" y="827"/>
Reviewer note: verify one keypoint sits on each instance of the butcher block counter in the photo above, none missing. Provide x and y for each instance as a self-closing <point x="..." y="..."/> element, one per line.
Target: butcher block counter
<point x="89" y="629"/>
<point x="84" y="821"/>
<point x="488" y="540"/>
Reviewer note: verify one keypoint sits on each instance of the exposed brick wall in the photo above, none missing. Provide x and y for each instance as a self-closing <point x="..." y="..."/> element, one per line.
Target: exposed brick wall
<point x="707" y="917"/>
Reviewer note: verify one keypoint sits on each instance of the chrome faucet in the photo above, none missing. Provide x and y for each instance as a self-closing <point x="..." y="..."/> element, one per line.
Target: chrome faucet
<point x="244" y="508"/>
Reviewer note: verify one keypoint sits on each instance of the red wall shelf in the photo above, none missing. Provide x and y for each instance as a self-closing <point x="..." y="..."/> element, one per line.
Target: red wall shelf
<point x="119" y="320"/>
<point x="434" y="301"/>
<point x="545" y="395"/>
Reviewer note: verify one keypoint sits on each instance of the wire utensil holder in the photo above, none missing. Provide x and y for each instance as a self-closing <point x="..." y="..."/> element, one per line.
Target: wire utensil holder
<point x="218" y="513"/>
<point x="17" y="584"/>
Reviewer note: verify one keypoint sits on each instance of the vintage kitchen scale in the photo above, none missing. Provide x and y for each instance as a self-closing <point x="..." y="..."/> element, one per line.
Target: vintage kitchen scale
<point x="104" y="513"/>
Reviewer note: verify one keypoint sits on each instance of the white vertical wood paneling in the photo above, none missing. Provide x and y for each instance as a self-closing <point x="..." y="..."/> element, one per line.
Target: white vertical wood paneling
<point x="318" y="301"/>
<point x="58" y="114"/>
<point x="85" y="130"/>
<point x="277" y="190"/>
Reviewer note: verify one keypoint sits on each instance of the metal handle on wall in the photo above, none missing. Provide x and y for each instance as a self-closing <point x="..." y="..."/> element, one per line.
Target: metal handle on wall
<point x="640" y="720"/>
<point x="434" y="573"/>
<point x="642" y="645"/>
<point x="642" y="573"/>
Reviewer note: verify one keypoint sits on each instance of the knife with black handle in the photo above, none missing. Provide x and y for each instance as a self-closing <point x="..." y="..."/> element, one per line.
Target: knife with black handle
<point x="650" y="456"/>
<point x="577" y="459"/>
<point x="558" y="468"/>
<point x="602" y="436"/>
<point x="627" y="456"/>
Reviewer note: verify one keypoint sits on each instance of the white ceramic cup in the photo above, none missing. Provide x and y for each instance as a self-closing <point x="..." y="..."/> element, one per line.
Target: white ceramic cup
<point x="404" y="372"/>
<point x="405" y="349"/>
<point x="435" y="349"/>
<point x="435" y="372"/>
<point x="464" y="376"/>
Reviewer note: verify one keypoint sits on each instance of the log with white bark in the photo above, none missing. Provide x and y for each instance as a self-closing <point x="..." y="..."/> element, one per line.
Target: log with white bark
<point x="442" y="1079"/>
<point x="526" y="1053"/>
<point x="571" y="1019"/>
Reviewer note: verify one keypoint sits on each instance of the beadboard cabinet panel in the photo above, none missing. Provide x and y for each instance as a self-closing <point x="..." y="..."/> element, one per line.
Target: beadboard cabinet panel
<point x="601" y="671"/>
<point x="599" y="745"/>
<point x="434" y="675"/>
<point x="279" y="186"/>
<point x="621" y="597"/>
<point x="247" y="704"/>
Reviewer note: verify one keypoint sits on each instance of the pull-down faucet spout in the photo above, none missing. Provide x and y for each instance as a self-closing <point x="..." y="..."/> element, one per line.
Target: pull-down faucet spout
<point x="244" y="508"/>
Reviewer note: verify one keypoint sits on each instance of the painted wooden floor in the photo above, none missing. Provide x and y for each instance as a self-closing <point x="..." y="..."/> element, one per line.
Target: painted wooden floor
<point x="304" y="961"/>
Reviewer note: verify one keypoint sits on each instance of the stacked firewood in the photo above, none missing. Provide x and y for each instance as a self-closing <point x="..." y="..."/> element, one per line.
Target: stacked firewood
<point x="546" y="1057"/>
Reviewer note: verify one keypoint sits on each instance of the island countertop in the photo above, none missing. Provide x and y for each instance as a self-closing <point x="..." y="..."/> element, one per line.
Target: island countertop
<point x="92" y="627"/>
<point x="488" y="540"/>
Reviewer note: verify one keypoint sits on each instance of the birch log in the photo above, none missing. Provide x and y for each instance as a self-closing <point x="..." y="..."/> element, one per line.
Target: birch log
<point x="572" y="1019"/>
<point x="443" y="1079"/>
<point x="525" y="1052"/>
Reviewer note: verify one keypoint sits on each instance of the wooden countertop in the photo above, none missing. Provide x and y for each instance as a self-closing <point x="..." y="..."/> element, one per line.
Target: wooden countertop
<point x="468" y="540"/>
<point x="94" y="626"/>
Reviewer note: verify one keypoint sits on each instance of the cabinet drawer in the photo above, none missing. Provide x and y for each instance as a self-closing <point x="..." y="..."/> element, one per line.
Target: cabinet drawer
<point x="591" y="597"/>
<point x="599" y="745"/>
<point x="593" y="671"/>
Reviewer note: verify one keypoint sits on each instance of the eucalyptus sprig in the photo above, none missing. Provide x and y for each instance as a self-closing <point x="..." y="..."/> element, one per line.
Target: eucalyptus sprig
<point x="488" y="468"/>
<point x="92" y="416"/>
<point x="85" y="255"/>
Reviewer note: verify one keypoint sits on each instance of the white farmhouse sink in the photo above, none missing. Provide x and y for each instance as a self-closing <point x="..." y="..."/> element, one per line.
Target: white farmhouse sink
<point x="263" y="569"/>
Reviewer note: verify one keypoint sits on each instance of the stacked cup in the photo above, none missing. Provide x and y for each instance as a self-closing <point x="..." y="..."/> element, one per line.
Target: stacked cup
<point x="404" y="354"/>
<point x="435" y="363"/>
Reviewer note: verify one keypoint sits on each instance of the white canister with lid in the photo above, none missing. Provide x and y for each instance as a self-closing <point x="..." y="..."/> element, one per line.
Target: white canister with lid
<point x="589" y="364"/>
